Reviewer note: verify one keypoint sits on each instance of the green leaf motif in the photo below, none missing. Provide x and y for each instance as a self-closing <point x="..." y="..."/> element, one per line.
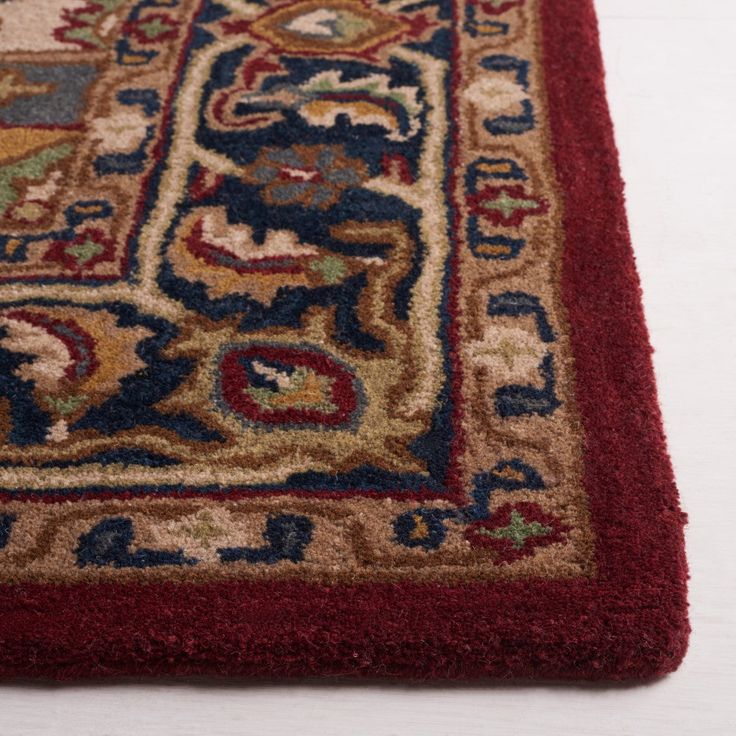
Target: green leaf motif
<point x="507" y="205"/>
<point x="518" y="530"/>
<point x="66" y="405"/>
<point x="332" y="269"/>
<point x="154" y="28"/>
<point x="85" y="251"/>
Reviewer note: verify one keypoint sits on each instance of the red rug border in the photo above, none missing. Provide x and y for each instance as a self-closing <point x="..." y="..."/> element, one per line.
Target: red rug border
<point x="629" y="622"/>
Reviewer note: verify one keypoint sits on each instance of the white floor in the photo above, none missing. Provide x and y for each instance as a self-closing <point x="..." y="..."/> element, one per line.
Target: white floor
<point x="672" y="87"/>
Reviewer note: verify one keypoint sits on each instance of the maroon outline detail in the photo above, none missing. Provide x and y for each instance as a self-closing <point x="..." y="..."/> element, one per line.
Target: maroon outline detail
<point x="233" y="381"/>
<point x="629" y="621"/>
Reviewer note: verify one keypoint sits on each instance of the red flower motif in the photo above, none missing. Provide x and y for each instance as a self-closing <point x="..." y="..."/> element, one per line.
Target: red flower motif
<point x="153" y="28"/>
<point x="506" y="206"/>
<point x="516" y="530"/>
<point x="88" y="248"/>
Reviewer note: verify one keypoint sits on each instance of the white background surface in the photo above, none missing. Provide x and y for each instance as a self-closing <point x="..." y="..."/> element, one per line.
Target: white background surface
<point x="672" y="89"/>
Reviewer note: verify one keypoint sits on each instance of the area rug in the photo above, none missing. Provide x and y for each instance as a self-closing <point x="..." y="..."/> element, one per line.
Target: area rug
<point x="321" y="347"/>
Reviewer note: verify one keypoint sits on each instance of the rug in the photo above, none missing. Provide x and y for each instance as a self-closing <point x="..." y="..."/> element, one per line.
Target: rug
<point x="321" y="347"/>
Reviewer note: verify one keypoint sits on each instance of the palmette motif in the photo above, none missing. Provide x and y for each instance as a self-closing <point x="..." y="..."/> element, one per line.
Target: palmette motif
<point x="279" y="295"/>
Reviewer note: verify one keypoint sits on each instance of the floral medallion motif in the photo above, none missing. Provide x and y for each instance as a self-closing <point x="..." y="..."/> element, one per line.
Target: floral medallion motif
<point x="312" y="176"/>
<point x="334" y="26"/>
<point x="288" y="386"/>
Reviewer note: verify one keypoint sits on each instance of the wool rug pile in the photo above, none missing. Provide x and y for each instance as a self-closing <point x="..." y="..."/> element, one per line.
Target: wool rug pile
<point x="321" y="347"/>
